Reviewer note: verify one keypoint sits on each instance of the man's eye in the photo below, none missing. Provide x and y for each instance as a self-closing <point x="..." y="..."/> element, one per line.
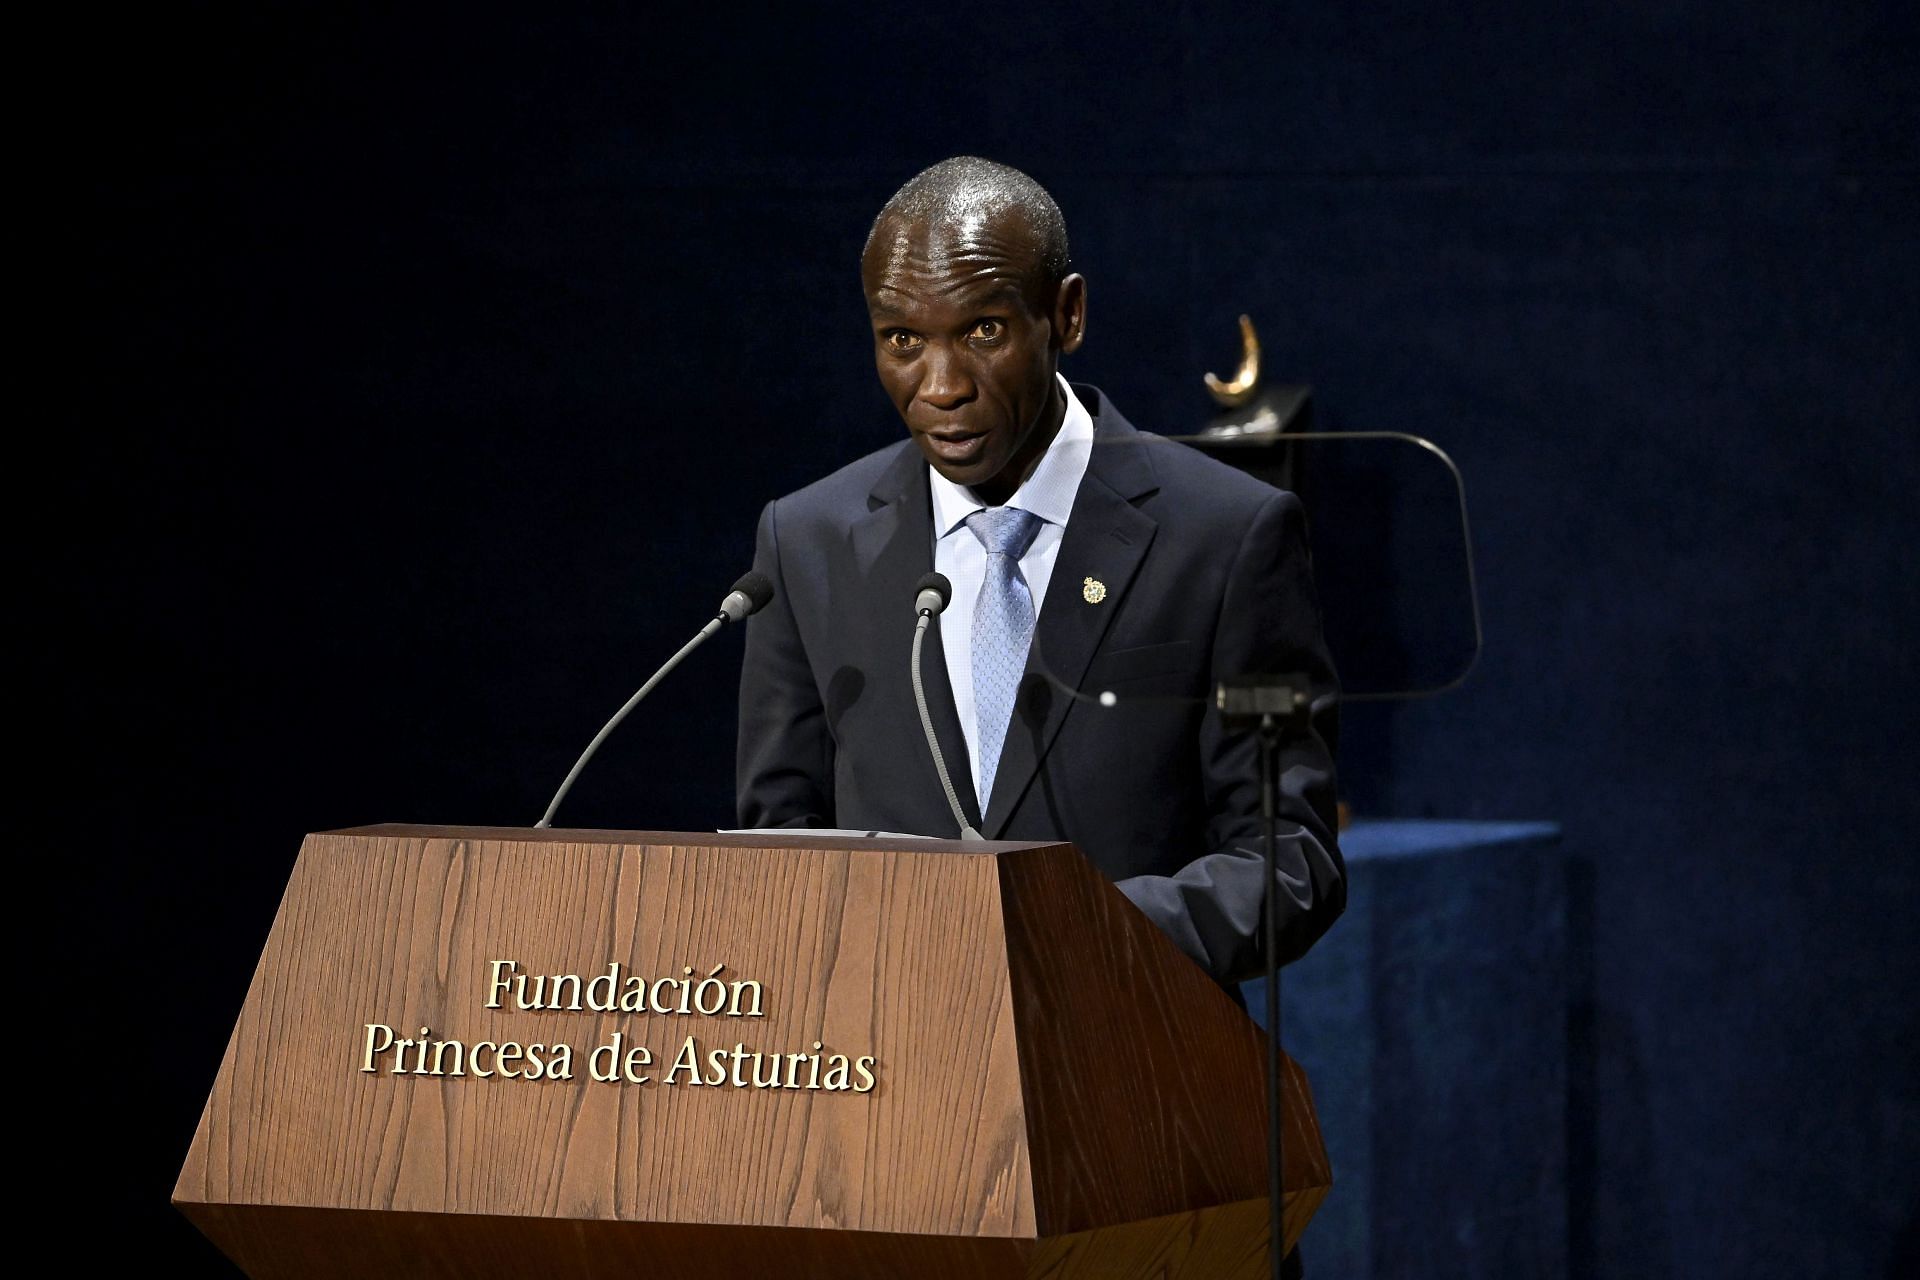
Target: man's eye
<point x="989" y="330"/>
<point x="900" y="340"/>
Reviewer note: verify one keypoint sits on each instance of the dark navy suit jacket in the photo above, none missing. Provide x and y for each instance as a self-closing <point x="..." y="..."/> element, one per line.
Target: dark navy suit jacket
<point x="1206" y="574"/>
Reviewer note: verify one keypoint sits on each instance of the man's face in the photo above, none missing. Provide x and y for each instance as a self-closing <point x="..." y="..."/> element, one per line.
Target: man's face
<point x="966" y="340"/>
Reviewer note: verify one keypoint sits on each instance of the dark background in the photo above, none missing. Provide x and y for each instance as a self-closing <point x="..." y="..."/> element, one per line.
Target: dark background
<point x="430" y="369"/>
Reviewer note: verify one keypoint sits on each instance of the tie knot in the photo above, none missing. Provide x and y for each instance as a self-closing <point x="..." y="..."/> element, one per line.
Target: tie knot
<point x="1004" y="531"/>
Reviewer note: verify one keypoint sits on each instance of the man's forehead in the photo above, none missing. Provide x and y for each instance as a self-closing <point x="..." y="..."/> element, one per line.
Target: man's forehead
<point x="963" y="253"/>
<point x="913" y="292"/>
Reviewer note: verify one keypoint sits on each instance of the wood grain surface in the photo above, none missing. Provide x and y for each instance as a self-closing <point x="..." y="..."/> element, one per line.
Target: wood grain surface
<point x="1059" y="1091"/>
<point x="1144" y="1084"/>
<point x="1225" y="1242"/>
<point x="866" y="951"/>
<point x="273" y="1242"/>
<point x="277" y="1243"/>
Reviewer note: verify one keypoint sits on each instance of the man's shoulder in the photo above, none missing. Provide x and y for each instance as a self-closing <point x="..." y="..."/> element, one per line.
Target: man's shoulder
<point x="841" y="496"/>
<point x="1188" y="481"/>
<point x="1195" y="479"/>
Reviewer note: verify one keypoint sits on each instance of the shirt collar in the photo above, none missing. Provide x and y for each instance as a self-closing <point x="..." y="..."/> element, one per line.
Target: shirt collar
<point x="1048" y="492"/>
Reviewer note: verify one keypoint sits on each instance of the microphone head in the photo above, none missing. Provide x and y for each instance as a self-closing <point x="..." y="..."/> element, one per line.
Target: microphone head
<point x="931" y="593"/>
<point x="756" y="587"/>
<point x="749" y="596"/>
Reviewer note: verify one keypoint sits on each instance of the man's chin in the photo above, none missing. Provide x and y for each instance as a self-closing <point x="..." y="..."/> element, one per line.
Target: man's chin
<point x="970" y="473"/>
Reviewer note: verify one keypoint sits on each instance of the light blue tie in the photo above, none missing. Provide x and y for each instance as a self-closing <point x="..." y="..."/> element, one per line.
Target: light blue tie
<point x="1002" y="626"/>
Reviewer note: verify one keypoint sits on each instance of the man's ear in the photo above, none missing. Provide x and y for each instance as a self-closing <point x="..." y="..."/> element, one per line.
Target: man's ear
<point x="1070" y="313"/>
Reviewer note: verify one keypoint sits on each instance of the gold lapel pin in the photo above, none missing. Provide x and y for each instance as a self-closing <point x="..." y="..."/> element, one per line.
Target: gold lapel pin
<point x="1093" y="591"/>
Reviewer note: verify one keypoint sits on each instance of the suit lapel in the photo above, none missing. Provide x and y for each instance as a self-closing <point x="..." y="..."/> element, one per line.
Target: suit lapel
<point x="893" y="547"/>
<point x="1107" y="538"/>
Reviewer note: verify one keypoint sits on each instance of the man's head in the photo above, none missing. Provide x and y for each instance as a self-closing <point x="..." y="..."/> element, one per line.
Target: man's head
<point x="972" y="304"/>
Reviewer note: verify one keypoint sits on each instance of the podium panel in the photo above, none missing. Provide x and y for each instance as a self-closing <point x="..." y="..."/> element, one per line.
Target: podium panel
<point x="477" y="1052"/>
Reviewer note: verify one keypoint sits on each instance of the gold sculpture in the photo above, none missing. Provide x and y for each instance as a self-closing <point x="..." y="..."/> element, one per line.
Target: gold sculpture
<point x="1246" y="381"/>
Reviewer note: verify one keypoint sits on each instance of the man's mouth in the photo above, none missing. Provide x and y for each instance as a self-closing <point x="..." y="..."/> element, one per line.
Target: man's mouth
<point x="955" y="446"/>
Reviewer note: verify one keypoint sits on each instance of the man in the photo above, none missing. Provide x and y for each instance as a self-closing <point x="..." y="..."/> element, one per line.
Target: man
<point x="1079" y="548"/>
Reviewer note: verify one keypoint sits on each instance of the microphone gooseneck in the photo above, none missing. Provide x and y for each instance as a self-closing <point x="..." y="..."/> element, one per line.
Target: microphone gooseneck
<point x="748" y="596"/>
<point x="931" y="595"/>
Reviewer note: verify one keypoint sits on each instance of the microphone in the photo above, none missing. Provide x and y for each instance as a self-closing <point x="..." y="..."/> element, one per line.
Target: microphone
<point x="930" y="596"/>
<point x="748" y="596"/>
<point x="935" y="593"/>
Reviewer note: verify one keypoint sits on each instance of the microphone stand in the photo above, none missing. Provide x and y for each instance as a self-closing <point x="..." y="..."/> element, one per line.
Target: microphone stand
<point x="606" y="730"/>
<point x="1269" y="786"/>
<point x="930" y="598"/>
<point x="748" y="596"/>
<point x="1266" y="703"/>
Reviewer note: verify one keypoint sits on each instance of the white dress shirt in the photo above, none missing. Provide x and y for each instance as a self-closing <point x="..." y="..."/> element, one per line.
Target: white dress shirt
<point x="1047" y="493"/>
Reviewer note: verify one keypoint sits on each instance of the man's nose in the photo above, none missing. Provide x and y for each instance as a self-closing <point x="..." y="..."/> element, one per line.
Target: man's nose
<point x="946" y="383"/>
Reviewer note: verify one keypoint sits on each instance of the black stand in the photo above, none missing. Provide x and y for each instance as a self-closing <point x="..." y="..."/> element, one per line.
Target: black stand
<point x="1268" y="703"/>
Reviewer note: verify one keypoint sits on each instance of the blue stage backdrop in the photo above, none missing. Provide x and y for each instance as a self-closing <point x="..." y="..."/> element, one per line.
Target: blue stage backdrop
<point x="434" y="369"/>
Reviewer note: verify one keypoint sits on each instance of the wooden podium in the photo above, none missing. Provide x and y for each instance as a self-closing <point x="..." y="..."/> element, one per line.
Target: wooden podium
<point x="476" y="1052"/>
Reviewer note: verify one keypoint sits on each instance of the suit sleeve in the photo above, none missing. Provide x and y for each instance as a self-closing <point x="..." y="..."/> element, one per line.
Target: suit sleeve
<point x="784" y="762"/>
<point x="1269" y="624"/>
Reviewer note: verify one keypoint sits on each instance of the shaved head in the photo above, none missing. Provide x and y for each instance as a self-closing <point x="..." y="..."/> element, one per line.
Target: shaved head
<point x="967" y="200"/>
